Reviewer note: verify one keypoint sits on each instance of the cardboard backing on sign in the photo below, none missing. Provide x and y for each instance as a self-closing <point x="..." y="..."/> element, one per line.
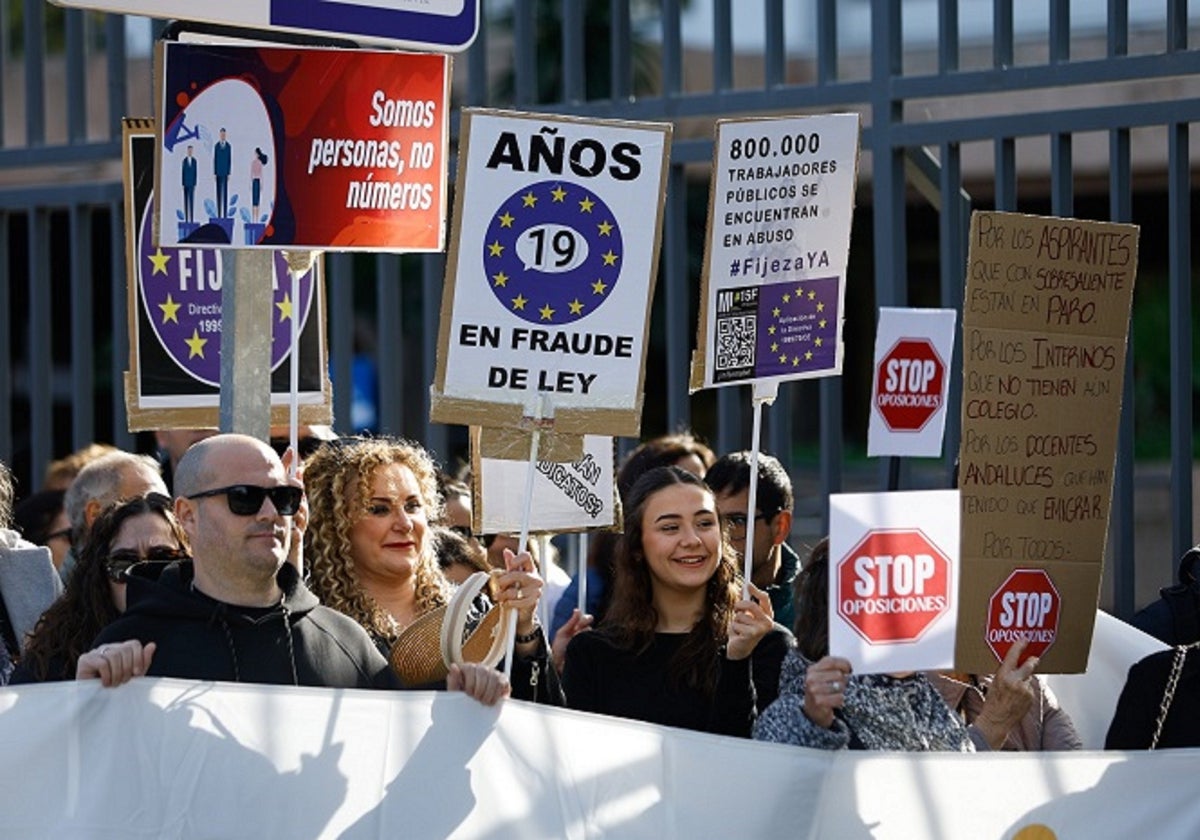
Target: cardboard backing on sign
<point x="516" y="444"/>
<point x="177" y="398"/>
<point x="1045" y="323"/>
<point x="452" y="399"/>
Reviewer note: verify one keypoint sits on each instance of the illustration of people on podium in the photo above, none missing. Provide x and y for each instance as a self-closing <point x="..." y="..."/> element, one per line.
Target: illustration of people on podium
<point x="222" y="166"/>
<point x="189" y="186"/>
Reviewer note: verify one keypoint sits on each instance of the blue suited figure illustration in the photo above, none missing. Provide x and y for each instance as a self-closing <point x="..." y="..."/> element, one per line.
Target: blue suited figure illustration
<point x="222" y="164"/>
<point x="189" y="186"/>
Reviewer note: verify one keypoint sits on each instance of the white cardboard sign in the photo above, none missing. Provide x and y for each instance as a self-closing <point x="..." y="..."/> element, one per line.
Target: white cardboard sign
<point x="778" y="242"/>
<point x="893" y="579"/>
<point x="566" y="496"/>
<point x="914" y="355"/>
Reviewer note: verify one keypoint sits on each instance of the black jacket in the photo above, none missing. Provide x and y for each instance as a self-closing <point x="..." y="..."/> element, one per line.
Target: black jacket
<point x="295" y="642"/>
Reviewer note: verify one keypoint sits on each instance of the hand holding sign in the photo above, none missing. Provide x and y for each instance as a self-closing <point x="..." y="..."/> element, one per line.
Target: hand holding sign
<point x="1008" y="697"/>
<point x="753" y="618"/>
<point x="825" y="689"/>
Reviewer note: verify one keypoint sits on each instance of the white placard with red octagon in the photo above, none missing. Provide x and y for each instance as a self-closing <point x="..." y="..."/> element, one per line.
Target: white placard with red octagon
<point x="914" y="349"/>
<point x="1026" y="606"/>
<point x="893" y="579"/>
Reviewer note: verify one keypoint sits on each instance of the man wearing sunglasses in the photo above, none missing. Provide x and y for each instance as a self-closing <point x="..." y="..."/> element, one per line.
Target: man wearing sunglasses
<point x="237" y="612"/>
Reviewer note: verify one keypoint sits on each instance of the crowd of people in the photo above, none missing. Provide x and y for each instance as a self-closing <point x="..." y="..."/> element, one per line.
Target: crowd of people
<point x="220" y="562"/>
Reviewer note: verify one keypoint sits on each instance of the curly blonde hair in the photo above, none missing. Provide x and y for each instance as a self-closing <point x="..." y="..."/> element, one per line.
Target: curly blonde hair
<point x="330" y="474"/>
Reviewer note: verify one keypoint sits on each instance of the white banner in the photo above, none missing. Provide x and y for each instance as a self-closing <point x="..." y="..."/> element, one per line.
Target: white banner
<point x="164" y="758"/>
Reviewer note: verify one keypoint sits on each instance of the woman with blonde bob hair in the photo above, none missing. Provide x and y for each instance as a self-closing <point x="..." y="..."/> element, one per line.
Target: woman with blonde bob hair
<point x="370" y="548"/>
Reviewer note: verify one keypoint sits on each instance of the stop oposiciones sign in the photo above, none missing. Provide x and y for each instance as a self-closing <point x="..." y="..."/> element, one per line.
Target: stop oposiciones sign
<point x="908" y="384"/>
<point x="893" y="585"/>
<point x="1026" y="606"/>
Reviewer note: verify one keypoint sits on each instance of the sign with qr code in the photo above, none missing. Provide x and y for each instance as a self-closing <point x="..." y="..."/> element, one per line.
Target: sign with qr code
<point x="551" y="270"/>
<point x="776" y="251"/>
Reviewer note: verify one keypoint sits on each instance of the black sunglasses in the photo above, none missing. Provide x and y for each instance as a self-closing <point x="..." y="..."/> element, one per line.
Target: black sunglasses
<point x="306" y="446"/>
<point x="247" y="499"/>
<point x="119" y="563"/>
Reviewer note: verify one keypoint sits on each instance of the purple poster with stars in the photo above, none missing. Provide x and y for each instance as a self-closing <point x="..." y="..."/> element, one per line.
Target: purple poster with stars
<point x="551" y="271"/>
<point x="777" y="247"/>
<point x="175" y="318"/>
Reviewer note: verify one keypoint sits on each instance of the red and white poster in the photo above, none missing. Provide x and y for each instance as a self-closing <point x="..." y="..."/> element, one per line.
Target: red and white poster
<point x="302" y="148"/>
<point x="893" y="579"/>
<point x="914" y="351"/>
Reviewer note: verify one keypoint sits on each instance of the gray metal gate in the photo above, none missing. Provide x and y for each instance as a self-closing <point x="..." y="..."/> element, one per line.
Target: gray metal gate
<point x="966" y="103"/>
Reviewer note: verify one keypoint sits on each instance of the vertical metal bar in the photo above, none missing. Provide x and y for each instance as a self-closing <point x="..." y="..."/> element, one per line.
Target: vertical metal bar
<point x="1062" y="192"/>
<point x="952" y="234"/>
<point x="114" y="54"/>
<point x="1006" y="173"/>
<point x="433" y="271"/>
<point x="1179" y="261"/>
<point x="6" y="357"/>
<point x="76" y="70"/>
<point x="1060" y="31"/>
<point x="832" y="445"/>
<point x="339" y="291"/>
<point x="6" y="71"/>
<point x="83" y="349"/>
<point x="525" y="60"/>
<point x="477" y="67"/>
<point x="676" y="297"/>
<point x="1002" y="29"/>
<point x="729" y="418"/>
<point x="246" y="342"/>
<point x="1120" y="181"/>
<point x="620" y="52"/>
<point x="35" y="74"/>
<point x="779" y="428"/>
<point x="722" y="45"/>
<point x="119" y="318"/>
<point x="391" y="353"/>
<point x="1177" y="25"/>
<point x="39" y="362"/>
<point x="947" y="36"/>
<point x="774" y="53"/>
<point x="574" y="85"/>
<point x="827" y="50"/>
<point x="672" y="48"/>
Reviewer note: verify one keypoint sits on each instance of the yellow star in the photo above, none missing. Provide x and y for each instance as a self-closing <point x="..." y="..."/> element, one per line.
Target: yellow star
<point x="285" y="308"/>
<point x="559" y="193"/>
<point x="519" y="301"/>
<point x="822" y="323"/>
<point x="774" y="346"/>
<point x="817" y="341"/>
<point x="795" y="361"/>
<point x="598" y="287"/>
<point x="546" y="312"/>
<point x="812" y="295"/>
<point x="506" y="220"/>
<point x="575" y="306"/>
<point x="495" y="249"/>
<point x="775" y="311"/>
<point x="160" y="260"/>
<point x="610" y="258"/>
<point x="500" y="279"/>
<point x="169" y="309"/>
<point x="196" y="343"/>
<point x="799" y="291"/>
<point x="786" y="297"/>
<point x="808" y="356"/>
<point x="820" y="307"/>
<point x="605" y="228"/>
<point x="586" y="205"/>
<point x="771" y="329"/>
<point x="783" y="358"/>
<point x="529" y="199"/>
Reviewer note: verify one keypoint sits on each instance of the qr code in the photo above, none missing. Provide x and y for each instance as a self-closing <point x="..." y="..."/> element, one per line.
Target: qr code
<point x="735" y="342"/>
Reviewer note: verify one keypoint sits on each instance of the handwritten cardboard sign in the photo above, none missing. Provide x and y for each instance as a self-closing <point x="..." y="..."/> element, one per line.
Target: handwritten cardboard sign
<point x="302" y="148"/>
<point x="774" y="273"/>
<point x="914" y="351"/>
<point x="1045" y="321"/>
<point x="551" y="271"/>
<point x="567" y="496"/>
<point x="893" y="579"/>
<point x="174" y="305"/>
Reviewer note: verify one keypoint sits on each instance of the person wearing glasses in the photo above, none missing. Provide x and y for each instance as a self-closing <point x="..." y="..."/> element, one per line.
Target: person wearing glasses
<point x="775" y="562"/>
<point x="237" y="611"/>
<point x="139" y="534"/>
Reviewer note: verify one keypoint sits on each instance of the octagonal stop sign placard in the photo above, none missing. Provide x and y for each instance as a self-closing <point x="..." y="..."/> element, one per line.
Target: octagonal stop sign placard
<point x="908" y="384"/>
<point x="1025" y="606"/>
<point x="893" y="585"/>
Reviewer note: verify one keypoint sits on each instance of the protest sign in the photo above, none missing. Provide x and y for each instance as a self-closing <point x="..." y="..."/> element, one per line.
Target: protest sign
<point x="569" y="496"/>
<point x="551" y="270"/>
<point x="174" y="306"/>
<point x="774" y="275"/>
<point x="302" y="148"/>
<point x="893" y="579"/>
<point x="914" y="349"/>
<point x="1044" y="332"/>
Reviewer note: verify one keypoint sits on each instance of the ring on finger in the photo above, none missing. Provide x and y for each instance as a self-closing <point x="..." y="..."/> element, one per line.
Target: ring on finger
<point x="835" y="686"/>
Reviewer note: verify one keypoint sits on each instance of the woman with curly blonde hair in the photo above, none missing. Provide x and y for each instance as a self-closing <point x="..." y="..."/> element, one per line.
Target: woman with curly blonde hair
<point x="370" y="548"/>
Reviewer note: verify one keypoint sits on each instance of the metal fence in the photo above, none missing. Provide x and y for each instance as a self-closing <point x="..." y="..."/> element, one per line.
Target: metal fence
<point x="931" y="109"/>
